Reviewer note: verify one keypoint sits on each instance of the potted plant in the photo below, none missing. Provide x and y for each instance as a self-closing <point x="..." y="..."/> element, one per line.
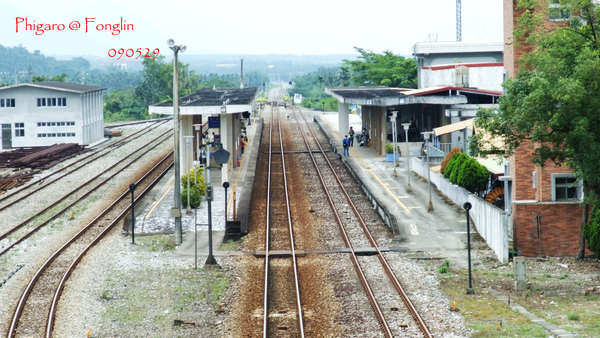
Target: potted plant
<point x="389" y="152"/>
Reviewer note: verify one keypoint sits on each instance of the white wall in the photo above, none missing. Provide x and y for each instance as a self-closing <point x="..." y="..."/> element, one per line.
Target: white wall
<point x="491" y="222"/>
<point x="489" y="78"/>
<point x="88" y="126"/>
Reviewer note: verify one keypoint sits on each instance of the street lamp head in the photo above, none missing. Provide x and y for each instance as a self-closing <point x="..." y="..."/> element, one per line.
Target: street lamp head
<point x="406" y="126"/>
<point x="427" y="134"/>
<point x="394" y="114"/>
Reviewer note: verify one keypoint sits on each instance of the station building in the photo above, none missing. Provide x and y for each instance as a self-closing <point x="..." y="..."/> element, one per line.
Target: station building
<point x="543" y="201"/>
<point x="50" y="112"/>
<point x="219" y="111"/>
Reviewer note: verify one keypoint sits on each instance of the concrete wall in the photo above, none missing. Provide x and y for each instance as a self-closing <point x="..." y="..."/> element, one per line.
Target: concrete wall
<point x="86" y="110"/>
<point x="491" y="222"/>
<point x="489" y="78"/>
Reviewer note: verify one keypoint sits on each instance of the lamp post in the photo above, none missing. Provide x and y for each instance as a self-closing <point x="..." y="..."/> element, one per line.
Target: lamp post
<point x="427" y="135"/>
<point x="176" y="210"/>
<point x="226" y="185"/>
<point x="188" y="143"/>
<point x="393" y="120"/>
<point x="132" y="188"/>
<point x="467" y="207"/>
<point x="406" y="126"/>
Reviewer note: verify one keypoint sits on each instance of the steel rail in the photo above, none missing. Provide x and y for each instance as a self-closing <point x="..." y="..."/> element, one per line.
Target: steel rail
<point x="58" y="213"/>
<point x="27" y="292"/>
<point x="363" y="280"/>
<point x="107" y="150"/>
<point x="290" y="227"/>
<point x="125" y="194"/>
<point x="413" y="311"/>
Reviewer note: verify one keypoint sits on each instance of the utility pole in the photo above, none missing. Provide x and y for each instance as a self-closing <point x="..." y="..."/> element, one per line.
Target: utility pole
<point x="458" y="21"/>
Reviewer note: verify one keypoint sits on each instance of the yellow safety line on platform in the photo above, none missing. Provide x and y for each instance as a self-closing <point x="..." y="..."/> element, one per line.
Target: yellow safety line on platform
<point x="372" y="173"/>
<point x="159" y="200"/>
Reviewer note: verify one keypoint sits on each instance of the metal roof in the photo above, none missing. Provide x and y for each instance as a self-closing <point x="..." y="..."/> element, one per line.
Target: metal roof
<point x="56" y="85"/>
<point x="210" y="100"/>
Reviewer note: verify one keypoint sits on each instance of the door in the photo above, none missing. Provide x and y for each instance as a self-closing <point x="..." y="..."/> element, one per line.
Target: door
<point x="6" y="136"/>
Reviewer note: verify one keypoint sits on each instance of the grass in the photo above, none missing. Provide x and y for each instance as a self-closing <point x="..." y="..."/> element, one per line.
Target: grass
<point x="157" y="242"/>
<point x="231" y="245"/>
<point x="557" y="299"/>
<point x="134" y="296"/>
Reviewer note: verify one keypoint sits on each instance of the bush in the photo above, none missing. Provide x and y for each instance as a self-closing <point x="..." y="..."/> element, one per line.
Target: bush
<point x="448" y="157"/>
<point x="592" y="229"/>
<point x="195" y="198"/>
<point x="197" y="187"/>
<point x="453" y="168"/>
<point x="472" y="175"/>
<point x="389" y="148"/>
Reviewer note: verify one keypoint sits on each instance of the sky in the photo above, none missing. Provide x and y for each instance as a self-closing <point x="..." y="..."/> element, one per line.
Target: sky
<point x="242" y="26"/>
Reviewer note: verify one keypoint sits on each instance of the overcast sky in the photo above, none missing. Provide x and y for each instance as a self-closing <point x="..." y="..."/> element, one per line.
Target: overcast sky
<point x="245" y="26"/>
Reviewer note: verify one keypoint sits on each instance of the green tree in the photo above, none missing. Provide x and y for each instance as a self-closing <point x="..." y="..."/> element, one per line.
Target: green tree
<point x="555" y="98"/>
<point x="387" y="69"/>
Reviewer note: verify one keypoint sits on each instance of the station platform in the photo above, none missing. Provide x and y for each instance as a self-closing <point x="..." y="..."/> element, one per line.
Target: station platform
<point x="153" y="214"/>
<point x="440" y="233"/>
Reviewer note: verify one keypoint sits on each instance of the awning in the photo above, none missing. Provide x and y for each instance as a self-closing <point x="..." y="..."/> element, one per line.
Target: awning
<point x="449" y="128"/>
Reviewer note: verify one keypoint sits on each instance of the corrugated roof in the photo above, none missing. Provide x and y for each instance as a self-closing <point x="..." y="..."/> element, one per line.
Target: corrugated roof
<point x="215" y="97"/>
<point x="366" y="92"/>
<point x="56" y="85"/>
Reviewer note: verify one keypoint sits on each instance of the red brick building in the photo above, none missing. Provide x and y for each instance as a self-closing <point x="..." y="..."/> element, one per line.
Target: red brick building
<point x="544" y="202"/>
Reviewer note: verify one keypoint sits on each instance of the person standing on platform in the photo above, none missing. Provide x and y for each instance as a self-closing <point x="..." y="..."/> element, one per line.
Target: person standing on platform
<point x="345" y="144"/>
<point x="242" y="144"/>
<point x="351" y="133"/>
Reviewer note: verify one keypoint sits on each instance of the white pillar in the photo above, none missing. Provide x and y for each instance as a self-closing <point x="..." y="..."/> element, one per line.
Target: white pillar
<point x="343" y="118"/>
<point x="228" y="144"/>
<point x="185" y="157"/>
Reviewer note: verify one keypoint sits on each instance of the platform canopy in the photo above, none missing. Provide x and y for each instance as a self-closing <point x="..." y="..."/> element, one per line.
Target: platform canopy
<point x="211" y="101"/>
<point x="386" y="96"/>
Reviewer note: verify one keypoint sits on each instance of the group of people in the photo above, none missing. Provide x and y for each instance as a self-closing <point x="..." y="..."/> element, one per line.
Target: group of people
<point x="348" y="140"/>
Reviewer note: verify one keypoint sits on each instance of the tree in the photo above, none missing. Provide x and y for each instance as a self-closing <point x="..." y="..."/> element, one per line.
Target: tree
<point x="555" y="98"/>
<point x="387" y="69"/>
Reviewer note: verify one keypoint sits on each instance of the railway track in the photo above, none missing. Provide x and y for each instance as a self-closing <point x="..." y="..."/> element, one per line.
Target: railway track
<point x="351" y="228"/>
<point x="282" y="305"/>
<point x="34" y="314"/>
<point x="12" y="235"/>
<point x="26" y="191"/>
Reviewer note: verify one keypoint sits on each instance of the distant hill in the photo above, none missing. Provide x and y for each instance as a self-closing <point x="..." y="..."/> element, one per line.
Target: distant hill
<point x="19" y="62"/>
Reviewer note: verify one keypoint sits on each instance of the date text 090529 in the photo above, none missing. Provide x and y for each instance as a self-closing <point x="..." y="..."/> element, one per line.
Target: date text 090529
<point x="130" y="52"/>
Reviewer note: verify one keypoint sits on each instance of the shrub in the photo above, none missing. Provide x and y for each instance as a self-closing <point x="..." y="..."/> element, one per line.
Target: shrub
<point x="455" y="165"/>
<point x="197" y="187"/>
<point x="592" y="229"/>
<point x="195" y="197"/>
<point x="472" y="175"/>
<point x="573" y="316"/>
<point x="389" y="148"/>
<point x="447" y="159"/>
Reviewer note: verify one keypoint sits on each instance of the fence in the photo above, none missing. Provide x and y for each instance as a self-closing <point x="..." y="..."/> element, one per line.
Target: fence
<point x="491" y="222"/>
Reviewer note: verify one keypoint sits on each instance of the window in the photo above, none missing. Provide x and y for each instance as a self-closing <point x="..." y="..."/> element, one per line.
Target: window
<point x="19" y="129"/>
<point x="565" y="187"/>
<point x="557" y="12"/>
<point x="52" y="101"/>
<point x="7" y="103"/>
